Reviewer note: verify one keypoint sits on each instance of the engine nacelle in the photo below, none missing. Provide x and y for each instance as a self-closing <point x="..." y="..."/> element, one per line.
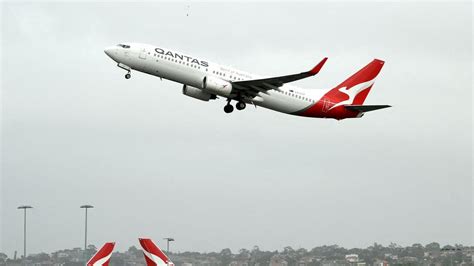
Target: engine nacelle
<point x="216" y="86"/>
<point x="197" y="93"/>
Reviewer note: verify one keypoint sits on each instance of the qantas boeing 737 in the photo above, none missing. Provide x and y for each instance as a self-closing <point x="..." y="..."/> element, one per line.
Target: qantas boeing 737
<point x="204" y="80"/>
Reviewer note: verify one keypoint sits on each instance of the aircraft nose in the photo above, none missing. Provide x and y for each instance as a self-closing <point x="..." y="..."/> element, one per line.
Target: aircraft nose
<point x="109" y="51"/>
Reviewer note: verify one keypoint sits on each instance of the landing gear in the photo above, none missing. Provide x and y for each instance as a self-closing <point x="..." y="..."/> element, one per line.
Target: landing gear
<point x="240" y="106"/>
<point x="228" y="108"/>
<point x="125" y="67"/>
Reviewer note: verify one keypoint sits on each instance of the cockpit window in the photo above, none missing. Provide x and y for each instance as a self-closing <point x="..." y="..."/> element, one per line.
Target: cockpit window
<point x="123" y="45"/>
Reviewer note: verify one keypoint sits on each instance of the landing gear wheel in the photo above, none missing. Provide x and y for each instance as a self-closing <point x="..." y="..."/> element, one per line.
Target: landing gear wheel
<point x="127" y="76"/>
<point x="228" y="108"/>
<point x="240" y="106"/>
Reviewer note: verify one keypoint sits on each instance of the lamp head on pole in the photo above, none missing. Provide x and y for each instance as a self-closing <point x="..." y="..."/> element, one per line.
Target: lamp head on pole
<point x="87" y="206"/>
<point x="25" y="207"/>
<point x="169" y="239"/>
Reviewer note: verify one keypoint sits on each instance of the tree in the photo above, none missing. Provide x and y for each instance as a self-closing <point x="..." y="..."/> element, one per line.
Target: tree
<point x="92" y="247"/>
<point x="416" y="250"/>
<point x="244" y="254"/>
<point x="433" y="247"/>
<point x="394" y="246"/>
<point x="132" y="249"/>
<point x="225" y="256"/>
<point x="255" y="251"/>
<point x="288" y="251"/>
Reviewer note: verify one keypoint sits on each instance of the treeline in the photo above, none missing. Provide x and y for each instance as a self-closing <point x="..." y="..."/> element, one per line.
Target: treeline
<point x="392" y="253"/>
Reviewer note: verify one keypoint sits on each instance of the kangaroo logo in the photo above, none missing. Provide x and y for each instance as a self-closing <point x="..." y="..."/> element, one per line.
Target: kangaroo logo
<point x="353" y="92"/>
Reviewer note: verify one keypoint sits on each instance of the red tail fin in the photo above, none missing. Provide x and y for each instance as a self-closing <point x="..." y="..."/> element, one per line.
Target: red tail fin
<point x="153" y="254"/>
<point x="102" y="257"/>
<point x="355" y="89"/>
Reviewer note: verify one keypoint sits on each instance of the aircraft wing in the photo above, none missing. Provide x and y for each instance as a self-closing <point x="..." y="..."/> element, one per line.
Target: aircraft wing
<point x="255" y="86"/>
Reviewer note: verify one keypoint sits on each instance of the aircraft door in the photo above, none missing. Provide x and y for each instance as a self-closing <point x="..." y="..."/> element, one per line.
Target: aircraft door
<point x="142" y="54"/>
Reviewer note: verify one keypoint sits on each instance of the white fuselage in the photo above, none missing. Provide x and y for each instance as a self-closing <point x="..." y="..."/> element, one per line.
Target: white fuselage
<point x="191" y="71"/>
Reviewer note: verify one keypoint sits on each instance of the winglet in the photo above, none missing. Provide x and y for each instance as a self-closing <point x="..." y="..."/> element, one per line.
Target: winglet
<point x="318" y="67"/>
<point x="102" y="257"/>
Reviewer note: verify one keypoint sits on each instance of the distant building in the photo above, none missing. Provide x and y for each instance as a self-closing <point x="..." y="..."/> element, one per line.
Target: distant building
<point x="380" y="263"/>
<point x="276" y="260"/>
<point x="408" y="260"/>
<point x="391" y="256"/>
<point x="3" y="259"/>
<point x="305" y="261"/>
<point x="62" y="255"/>
<point x="334" y="263"/>
<point x="14" y="263"/>
<point x="238" y="263"/>
<point x="352" y="258"/>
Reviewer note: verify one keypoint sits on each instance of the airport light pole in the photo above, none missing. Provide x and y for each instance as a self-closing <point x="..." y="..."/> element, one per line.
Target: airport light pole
<point x="85" y="233"/>
<point x="24" y="208"/>
<point x="168" y="240"/>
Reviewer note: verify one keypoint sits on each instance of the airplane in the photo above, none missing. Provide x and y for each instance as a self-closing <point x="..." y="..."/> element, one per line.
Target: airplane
<point x="206" y="81"/>
<point x="102" y="257"/>
<point x="153" y="254"/>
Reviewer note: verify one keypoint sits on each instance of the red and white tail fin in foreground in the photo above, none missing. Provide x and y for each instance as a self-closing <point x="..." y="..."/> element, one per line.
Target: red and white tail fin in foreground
<point x="153" y="254"/>
<point x="102" y="257"/>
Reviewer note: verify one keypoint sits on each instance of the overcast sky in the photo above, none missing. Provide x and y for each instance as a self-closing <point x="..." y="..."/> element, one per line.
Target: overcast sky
<point x="156" y="163"/>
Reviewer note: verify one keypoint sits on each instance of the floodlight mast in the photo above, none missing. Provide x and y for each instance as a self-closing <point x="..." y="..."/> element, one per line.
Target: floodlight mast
<point x="168" y="240"/>
<point x="24" y="208"/>
<point x="85" y="231"/>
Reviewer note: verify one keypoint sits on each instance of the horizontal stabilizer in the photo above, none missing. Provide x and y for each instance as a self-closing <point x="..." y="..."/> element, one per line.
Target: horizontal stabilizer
<point x="365" y="108"/>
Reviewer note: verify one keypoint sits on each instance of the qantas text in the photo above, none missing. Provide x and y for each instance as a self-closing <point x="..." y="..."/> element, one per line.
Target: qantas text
<point x="181" y="57"/>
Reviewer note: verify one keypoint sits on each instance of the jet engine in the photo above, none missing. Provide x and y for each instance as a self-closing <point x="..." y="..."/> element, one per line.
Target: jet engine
<point x="216" y="86"/>
<point x="197" y="93"/>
